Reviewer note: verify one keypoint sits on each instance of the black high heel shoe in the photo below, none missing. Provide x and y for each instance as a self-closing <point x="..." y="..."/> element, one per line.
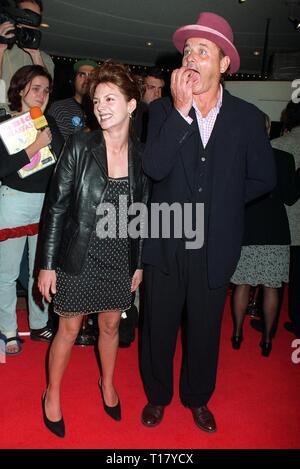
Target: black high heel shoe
<point x="58" y="428"/>
<point x="266" y="348"/>
<point x="236" y="341"/>
<point x="115" y="411"/>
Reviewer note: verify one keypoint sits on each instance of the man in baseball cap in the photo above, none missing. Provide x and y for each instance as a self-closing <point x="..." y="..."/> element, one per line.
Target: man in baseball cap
<point x="69" y="113"/>
<point x="205" y="150"/>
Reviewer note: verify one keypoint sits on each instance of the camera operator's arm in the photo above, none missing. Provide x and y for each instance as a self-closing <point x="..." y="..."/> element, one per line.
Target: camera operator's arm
<point x="4" y="28"/>
<point x="40" y="58"/>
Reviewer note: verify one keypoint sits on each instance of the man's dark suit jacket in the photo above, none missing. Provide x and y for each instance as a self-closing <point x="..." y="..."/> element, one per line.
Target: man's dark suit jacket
<point x="243" y="169"/>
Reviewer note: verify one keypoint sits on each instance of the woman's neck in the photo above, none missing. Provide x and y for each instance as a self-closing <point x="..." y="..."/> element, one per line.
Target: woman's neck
<point x="116" y="142"/>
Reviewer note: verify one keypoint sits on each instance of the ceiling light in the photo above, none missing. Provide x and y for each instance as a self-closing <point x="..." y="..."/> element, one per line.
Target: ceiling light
<point x="44" y="25"/>
<point x="256" y="52"/>
<point x="242" y="1"/>
<point x="149" y="44"/>
<point x="296" y="22"/>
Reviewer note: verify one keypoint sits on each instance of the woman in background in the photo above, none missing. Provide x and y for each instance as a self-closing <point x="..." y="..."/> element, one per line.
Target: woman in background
<point x="265" y="252"/>
<point x="21" y="202"/>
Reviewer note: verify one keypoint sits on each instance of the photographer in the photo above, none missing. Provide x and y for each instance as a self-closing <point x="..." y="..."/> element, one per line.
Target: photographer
<point x="15" y="57"/>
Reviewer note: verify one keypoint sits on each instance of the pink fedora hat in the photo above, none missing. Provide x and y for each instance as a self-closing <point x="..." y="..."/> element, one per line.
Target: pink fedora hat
<point x="214" y="28"/>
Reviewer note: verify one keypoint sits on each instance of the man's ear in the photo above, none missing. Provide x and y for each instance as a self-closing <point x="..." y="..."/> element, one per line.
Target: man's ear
<point x="224" y="64"/>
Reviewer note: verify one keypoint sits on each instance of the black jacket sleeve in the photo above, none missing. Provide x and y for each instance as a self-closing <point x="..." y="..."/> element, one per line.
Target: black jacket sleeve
<point x="288" y="184"/>
<point x="10" y="164"/>
<point x="56" y="206"/>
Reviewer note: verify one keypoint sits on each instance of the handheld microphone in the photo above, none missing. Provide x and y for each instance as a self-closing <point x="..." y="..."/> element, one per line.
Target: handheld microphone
<point x="39" y="120"/>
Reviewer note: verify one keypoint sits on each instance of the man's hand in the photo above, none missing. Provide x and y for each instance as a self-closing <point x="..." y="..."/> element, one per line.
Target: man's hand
<point x="47" y="283"/>
<point x="35" y="55"/>
<point x="181" y="89"/>
<point x="4" y="32"/>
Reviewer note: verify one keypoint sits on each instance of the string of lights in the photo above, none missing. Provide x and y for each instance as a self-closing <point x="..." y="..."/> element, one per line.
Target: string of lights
<point x="167" y="70"/>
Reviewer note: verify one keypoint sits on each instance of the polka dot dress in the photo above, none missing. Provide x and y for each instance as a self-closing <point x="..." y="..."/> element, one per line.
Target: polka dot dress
<point x="104" y="283"/>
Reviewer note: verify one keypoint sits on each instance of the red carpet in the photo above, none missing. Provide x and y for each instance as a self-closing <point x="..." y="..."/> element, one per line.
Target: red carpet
<point x="256" y="402"/>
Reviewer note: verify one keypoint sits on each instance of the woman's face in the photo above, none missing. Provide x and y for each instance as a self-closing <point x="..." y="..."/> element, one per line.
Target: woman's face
<point x="35" y="93"/>
<point x="111" y="108"/>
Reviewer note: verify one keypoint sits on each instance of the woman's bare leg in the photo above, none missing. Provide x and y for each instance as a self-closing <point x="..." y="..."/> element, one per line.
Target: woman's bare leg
<point x="59" y="357"/>
<point x="108" y="348"/>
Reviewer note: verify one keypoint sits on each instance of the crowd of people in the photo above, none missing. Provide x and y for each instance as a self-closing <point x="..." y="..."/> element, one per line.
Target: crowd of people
<point x="118" y="144"/>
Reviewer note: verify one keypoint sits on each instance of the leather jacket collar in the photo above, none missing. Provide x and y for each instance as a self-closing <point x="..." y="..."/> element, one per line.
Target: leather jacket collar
<point x="98" y="150"/>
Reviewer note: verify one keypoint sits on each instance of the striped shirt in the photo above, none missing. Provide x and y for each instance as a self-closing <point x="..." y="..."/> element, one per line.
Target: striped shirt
<point x="69" y="116"/>
<point x="206" y="124"/>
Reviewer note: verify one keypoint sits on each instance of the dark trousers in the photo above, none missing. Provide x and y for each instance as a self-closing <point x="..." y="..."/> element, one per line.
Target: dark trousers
<point x="166" y="297"/>
<point x="294" y="288"/>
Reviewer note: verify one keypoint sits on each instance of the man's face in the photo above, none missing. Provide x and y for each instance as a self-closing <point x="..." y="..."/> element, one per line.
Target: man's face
<point x="82" y="79"/>
<point x="153" y="89"/>
<point x="204" y="59"/>
<point x="30" y="6"/>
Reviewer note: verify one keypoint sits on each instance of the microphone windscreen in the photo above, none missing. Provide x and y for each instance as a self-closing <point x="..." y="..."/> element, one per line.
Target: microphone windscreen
<point x="39" y="120"/>
<point x="35" y="112"/>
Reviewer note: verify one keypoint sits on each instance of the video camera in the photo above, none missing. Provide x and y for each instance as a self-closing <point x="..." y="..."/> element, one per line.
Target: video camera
<point x="24" y="37"/>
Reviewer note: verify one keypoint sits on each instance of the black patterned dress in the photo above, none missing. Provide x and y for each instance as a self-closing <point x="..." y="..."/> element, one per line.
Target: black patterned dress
<point x="104" y="283"/>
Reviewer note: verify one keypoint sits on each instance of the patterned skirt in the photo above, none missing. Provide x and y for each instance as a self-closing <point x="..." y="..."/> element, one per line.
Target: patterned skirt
<point x="263" y="265"/>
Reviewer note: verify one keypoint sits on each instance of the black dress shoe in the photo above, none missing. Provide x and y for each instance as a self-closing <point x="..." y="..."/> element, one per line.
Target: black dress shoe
<point x="236" y="341"/>
<point x="266" y="348"/>
<point x="204" y="419"/>
<point x="152" y="415"/>
<point x="58" y="428"/>
<point x="113" y="411"/>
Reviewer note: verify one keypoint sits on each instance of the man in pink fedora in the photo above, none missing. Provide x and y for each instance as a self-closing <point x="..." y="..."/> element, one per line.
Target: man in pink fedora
<point x="204" y="147"/>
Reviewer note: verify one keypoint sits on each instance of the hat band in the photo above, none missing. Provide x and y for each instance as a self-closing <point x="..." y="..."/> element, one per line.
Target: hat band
<point x="213" y="31"/>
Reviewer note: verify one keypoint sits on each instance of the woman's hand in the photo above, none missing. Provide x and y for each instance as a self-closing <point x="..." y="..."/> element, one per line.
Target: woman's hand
<point x="136" y="279"/>
<point x="44" y="138"/>
<point x="47" y="283"/>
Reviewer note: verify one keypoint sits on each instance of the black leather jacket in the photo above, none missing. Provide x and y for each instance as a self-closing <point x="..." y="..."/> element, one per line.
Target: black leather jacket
<point x="78" y="186"/>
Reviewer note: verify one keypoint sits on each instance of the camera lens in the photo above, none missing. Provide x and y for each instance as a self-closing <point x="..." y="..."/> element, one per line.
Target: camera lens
<point x="28" y="38"/>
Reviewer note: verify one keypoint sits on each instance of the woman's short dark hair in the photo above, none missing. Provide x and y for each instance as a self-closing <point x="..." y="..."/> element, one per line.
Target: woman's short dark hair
<point x="20" y="79"/>
<point x="120" y="75"/>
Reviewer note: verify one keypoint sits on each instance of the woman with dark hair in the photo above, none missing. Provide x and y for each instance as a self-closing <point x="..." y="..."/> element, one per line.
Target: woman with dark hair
<point x="21" y="201"/>
<point x="84" y="270"/>
<point x="290" y="142"/>
<point x="265" y="255"/>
